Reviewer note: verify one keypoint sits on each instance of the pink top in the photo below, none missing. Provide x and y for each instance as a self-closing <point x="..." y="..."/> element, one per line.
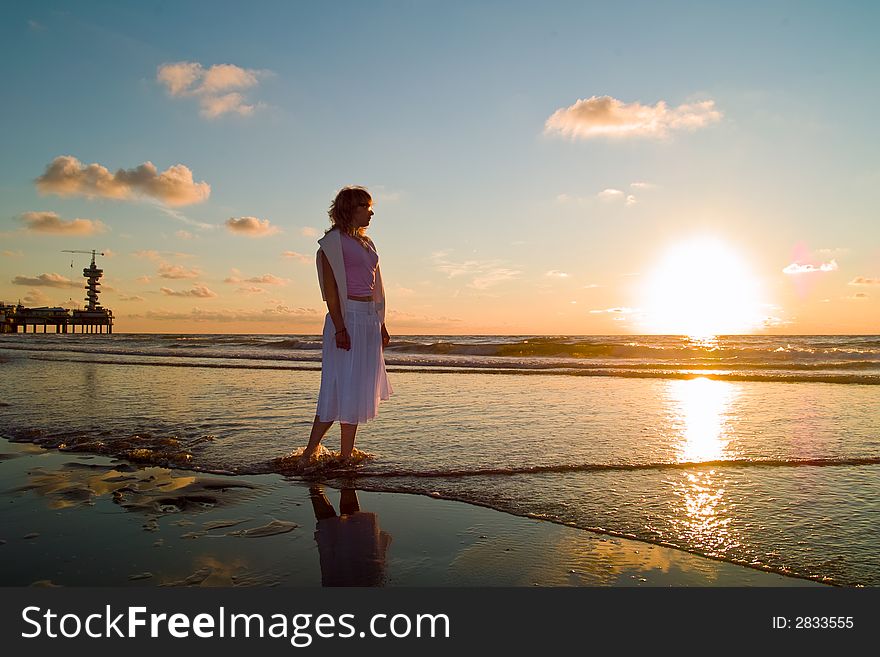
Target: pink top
<point x="360" y="267"/>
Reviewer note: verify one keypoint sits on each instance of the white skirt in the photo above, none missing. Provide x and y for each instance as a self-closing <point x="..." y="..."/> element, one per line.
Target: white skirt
<point x="353" y="382"/>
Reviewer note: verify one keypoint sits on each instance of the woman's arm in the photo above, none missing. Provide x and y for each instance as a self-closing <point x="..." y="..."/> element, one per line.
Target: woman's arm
<point x="386" y="339"/>
<point x="331" y="291"/>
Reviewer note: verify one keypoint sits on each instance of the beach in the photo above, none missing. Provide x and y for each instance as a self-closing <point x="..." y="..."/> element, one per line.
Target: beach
<point x="485" y="468"/>
<point x="72" y="519"/>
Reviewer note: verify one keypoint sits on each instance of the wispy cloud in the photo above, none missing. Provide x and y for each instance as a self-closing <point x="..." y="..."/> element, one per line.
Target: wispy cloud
<point x="130" y="297"/>
<point x="862" y="280"/>
<point x="795" y="268"/>
<point x="553" y="273"/>
<point x="6" y="253"/>
<point x="858" y="296"/>
<point x="217" y="88"/>
<point x="199" y="290"/>
<point x="621" y="310"/>
<point x="278" y="313"/>
<point x="50" y="222"/>
<point x="308" y="231"/>
<point x="46" y="280"/>
<point x="183" y="235"/>
<point x="483" y="273"/>
<point x="298" y="256"/>
<point x="604" y="116"/>
<point x="67" y="176"/>
<point x="251" y="227"/>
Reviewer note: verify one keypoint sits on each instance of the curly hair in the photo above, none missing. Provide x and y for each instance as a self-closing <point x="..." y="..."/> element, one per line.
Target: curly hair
<point x="342" y="209"/>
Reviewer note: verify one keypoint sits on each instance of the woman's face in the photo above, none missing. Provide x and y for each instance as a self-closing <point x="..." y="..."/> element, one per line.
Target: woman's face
<point x="362" y="213"/>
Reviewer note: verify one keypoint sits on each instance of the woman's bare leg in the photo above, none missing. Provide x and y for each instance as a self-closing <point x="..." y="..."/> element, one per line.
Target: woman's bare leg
<point x="319" y="430"/>
<point x="348" y="434"/>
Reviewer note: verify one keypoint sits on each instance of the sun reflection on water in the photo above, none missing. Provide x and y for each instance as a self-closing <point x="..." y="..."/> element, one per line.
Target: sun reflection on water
<point x="701" y="409"/>
<point x="701" y="414"/>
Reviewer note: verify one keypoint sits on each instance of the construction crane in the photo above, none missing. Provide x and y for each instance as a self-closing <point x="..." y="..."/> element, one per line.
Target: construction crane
<point x="92" y="273"/>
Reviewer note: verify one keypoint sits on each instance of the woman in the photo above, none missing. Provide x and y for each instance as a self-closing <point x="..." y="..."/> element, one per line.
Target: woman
<point x="353" y="378"/>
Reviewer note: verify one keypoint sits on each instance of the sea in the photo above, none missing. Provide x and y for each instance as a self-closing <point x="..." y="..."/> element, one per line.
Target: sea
<point x="756" y="450"/>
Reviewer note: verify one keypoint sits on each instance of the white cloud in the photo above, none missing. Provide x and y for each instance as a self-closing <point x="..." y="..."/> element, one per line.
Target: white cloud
<point x="620" y="310"/>
<point x="218" y="88"/>
<point x="277" y="313"/>
<point x="46" y="280"/>
<point x="50" y="222"/>
<point x="795" y="269"/>
<point x="630" y="200"/>
<point x="67" y="176"/>
<point x="604" y="116"/>
<point x="610" y="195"/>
<point x="198" y="290"/>
<point x="308" y="231"/>
<point x="251" y="226"/>
<point x="265" y="279"/>
<point x="553" y="273"/>
<point x="298" y="256"/>
<point x="643" y="185"/>
<point x="175" y="272"/>
<point x="484" y="274"/>
<point x="183" y="235"/>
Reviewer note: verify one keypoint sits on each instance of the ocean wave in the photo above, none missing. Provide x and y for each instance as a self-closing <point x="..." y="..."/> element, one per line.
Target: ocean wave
<point x="520" y="369"/>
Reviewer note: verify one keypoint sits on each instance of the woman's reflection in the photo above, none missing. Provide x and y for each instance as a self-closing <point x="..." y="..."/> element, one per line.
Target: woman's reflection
<point x="351" y="545"/>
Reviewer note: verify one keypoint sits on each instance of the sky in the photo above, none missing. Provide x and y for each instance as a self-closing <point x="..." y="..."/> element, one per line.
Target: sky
<point x="558" y="168"/>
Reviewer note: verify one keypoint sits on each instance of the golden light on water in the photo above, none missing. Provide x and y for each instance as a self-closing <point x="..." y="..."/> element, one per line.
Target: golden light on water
<point x="700" y="408"/>
<point x="701" y="287"/>
<point x="700" y="413"/>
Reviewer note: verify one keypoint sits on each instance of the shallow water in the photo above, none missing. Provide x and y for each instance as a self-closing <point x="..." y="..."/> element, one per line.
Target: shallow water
<point x="781" y="476"/>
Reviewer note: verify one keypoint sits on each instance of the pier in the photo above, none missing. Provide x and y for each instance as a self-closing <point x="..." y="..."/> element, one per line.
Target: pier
<point x="93" y="319"/>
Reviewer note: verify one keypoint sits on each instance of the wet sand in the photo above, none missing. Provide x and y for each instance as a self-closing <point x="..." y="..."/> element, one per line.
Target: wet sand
<point x="73" y="519"/>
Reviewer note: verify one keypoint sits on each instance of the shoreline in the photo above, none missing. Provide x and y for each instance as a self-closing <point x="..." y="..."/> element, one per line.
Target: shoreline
<point x="79" y="519"/>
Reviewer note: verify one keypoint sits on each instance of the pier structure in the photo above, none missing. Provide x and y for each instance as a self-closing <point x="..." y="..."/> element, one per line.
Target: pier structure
<point x="93" y="319"/>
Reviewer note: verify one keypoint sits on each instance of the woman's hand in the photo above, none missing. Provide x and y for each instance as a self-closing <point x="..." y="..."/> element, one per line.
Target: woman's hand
<point x="386" y="339"/>
<point x="343" y="341"/>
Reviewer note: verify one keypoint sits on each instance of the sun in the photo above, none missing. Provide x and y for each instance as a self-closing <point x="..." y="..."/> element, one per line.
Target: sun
<point x="701" y="287"/>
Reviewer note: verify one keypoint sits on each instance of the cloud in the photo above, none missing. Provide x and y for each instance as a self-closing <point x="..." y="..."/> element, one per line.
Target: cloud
<point x="795" y="269"/>
<point x="265" y="279"/>
<point x="308" y="231"/>
<point x="630" y="200"/>
<point x="198" y="290"/>
<point x="67" y="176"/>
<point x="277" y="313"/>
<point x="604" y="116"/>
<point x="217" y="88"/>
<point x="251" y="290"/>
<point x="251" y="226"/>
<point x="413" y="320"/>
<point x="175" y="272"/>
<point x="132" y="297"/>
<point x="183" y="235"/>
<point x="858" y="296"/>
<point x="610" y="195"/>
<point x="143" y="279"/>
<point x="35" y="298"/>
<point x="484" y="274"/>
<point x="152" y="254"/>
<point x="12" y="254"/>
<point x="861" y="280"/>
<point x="46" y="280"/>
<point x="643" y="185"/>
<point x="50" y="222"/>
<point x="553" y="273"/>
<point x="619" y="310"/>
<point x="35" y="26"/>
<point x="297" y="256"/>
<point x="590" y="286"/>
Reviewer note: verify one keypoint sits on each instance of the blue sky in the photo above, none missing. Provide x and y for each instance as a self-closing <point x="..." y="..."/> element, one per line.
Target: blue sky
<point x="440" y="109"/>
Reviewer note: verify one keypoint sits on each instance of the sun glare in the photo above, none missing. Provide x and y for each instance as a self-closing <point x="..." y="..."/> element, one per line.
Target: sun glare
<point x="701" y="288"/>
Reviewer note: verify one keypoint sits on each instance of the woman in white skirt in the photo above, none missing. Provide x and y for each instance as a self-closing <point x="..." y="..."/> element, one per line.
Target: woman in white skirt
<point x="353" y="378"/>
